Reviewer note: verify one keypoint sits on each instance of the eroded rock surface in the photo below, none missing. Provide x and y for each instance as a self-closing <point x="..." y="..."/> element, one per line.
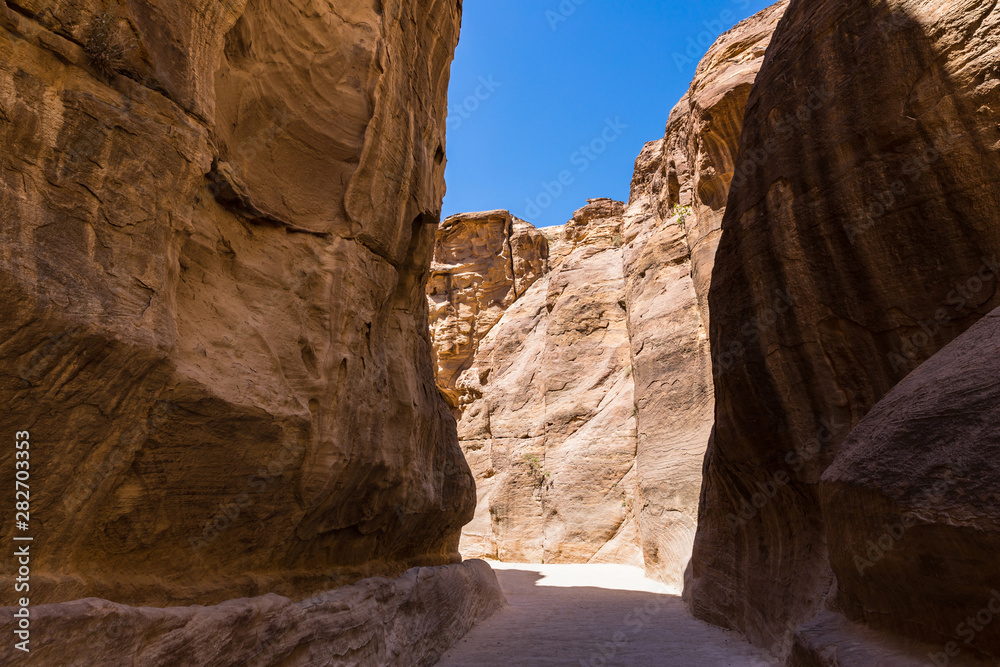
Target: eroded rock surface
<point x="217" y="224"/>
<point x="866" y="194"/>
<point x="917" y="482"/>
<point x="671" y="231"/>
<point x="407" y="621"/>
<point x="483" y="262"/>
<point x="547" y="413"/>
<point x="536" y="405"/>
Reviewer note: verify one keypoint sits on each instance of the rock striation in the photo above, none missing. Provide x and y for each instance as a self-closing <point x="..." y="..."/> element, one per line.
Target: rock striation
<point x="404" y="622"/>
<point x="483" y="262"/>
<point x="217" y="224"/>
<point x="546" y="416"/>
<point x="671" y="231"/>
<point x="860" y="238"/>
<point x="566" y="405"/>
<point x="916" y="483"/>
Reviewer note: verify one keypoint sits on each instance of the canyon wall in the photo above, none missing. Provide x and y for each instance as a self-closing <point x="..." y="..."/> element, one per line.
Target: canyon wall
<point x="546" y="416"/>
<point x="828" y="224"/>
<point x="671" y="230"/>
<point x="585" y="400"/>
<point x="483" y="262"/>
<point x="217" y="224"/>
<point x="861" y="236"/>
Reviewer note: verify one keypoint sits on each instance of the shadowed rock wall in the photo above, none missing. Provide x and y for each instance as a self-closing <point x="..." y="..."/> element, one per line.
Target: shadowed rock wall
<point x="216" y="224"/>
<point x="866" y="194"/>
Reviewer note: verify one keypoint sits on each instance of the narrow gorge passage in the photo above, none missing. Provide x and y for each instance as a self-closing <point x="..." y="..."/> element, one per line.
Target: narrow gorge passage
<point x="595" y="615"/>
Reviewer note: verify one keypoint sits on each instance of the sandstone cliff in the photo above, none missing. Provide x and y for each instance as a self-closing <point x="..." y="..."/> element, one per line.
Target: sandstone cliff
<point x="546" y="415"/>
<point x="217" y="223"/>
<point x="671" y="228"/>
<point x="866" y="195"/>
<point x="483" y="262"/>
<point x="549" y="389"/>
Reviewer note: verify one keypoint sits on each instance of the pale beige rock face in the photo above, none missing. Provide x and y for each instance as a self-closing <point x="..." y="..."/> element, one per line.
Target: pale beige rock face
<point x="547" y="417"/>
<point x="539" y="371"/>
<point x="671" y="374"/>
<point x="213" y="255"/>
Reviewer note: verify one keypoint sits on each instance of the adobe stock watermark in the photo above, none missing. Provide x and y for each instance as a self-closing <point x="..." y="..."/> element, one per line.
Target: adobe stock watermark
<point x="893" y="533"/>
<point x="229" y="512"/>
<point x="582" y="158"/>
<point x="883" y="203"/>
<point x="796" y="459"/>
<point x="130" y="441"/>
<point x="48" y="355"/>
<point x="905" y="358"/>
<point x="462" y="111"/>
<point x="643" y="618"/>
<point x="636" y="621"/>
<point x="785" y="128"/>
<point x="698" y="44"/>
<point x="562" y="12"/>
<point x="751" y="332"/>
<point x="968" y="629"/>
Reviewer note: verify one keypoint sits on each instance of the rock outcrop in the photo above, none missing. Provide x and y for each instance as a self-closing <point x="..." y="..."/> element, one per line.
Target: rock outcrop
<point x="860" y="237"/>
<point x="912" y="502"/>
<point x="671" y="229"/>
<point x="405" y="622"/>
<point x="671" y="373"/>
<point x="546" y="408"/>
<point x="703" y="138"/>
<point x="535" y="401"/>
<point x="483" y="262"/>
<point x="217" y="224"/>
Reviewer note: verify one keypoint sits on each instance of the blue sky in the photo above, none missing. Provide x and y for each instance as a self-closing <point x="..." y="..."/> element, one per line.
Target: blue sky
<point x="552" y="100"/>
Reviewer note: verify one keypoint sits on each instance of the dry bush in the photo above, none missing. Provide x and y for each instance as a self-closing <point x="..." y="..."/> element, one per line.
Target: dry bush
<point x="105" y="46"/>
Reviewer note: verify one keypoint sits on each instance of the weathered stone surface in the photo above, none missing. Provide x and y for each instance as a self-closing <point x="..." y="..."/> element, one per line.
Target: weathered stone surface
<point x="548" y="419"/>
<point x="407" y="621"/>
<point x="212" y="295"/>
<point x="483" y="262"/>
<point x="671" y="375"/>
<point x="703" y="135"/>
<point x="830" y="640"/>
<point x="671" y="229"/>
<point x="867" y="195"/>
<point x="912" y="501"/>
<point x="506" y="409"/>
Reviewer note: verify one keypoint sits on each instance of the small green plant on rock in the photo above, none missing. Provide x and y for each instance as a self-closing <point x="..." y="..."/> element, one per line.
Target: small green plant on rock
<point x="681" y="213"/>
<point x="535" y="470"/>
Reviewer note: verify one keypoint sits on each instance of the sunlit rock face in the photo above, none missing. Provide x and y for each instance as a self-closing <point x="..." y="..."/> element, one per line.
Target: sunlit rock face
<point x="860" y="238"/>
<point x="546" y="412"/>
<point x="217" y="224"/>
<point x="585" y="403"/>
<point x="671" y="232"/>
<point x="483" y="262"/>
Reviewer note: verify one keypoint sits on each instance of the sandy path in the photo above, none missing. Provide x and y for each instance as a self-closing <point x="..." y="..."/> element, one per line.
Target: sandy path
<point x="595" y="615"/>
